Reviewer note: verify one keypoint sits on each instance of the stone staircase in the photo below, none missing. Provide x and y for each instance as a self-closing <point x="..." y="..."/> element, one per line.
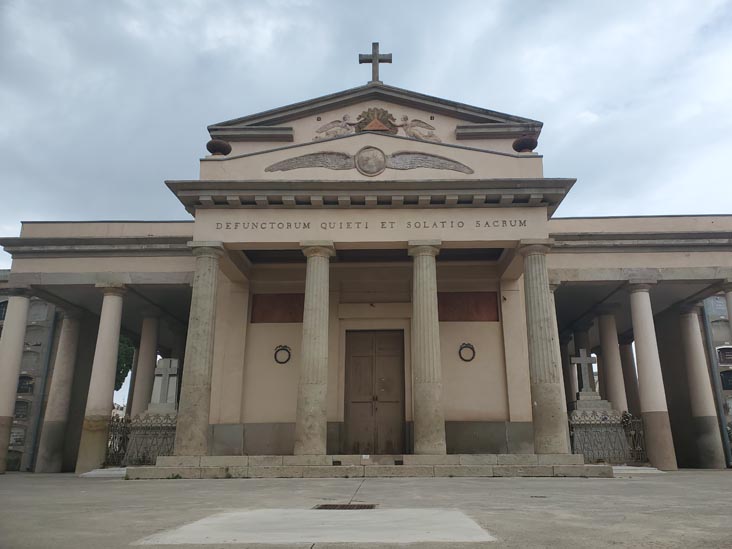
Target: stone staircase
<point x="357" y="466"/>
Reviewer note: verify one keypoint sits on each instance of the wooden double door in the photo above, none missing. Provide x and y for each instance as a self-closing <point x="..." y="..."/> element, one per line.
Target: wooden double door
<point x="374" y="410"/>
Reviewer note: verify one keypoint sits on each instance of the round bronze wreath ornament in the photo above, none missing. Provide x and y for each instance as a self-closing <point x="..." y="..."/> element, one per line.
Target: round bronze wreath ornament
<point x="282" y="354"/>
<point x="466" y="352"/>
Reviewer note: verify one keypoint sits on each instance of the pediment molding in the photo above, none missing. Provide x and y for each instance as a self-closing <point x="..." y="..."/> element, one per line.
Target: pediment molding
<point x="259" y="126"/>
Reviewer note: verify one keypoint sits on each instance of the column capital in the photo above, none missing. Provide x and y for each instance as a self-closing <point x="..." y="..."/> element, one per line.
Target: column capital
<point x="582" y="325"/>
<point x="151" y="312"/>
<point x="317" y="248"/>
<point x="535" y="246"/>
<point x="424" y="247"/>
<point x="110" y="288"/>
<point x="565" y="338"/>
<point x="727" y="285"/>
<point x="19" y="291"/>
<point x="607" y="309"/>
<point x="641" y="285"/>
<point x="689" y="309"/>
<point x="625" y="339"/>
<point x="206" y="248"/>
<point x="72" y="313"/>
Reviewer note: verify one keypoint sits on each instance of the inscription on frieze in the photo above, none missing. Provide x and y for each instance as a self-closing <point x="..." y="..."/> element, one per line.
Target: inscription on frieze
<point x="367" y="225"/>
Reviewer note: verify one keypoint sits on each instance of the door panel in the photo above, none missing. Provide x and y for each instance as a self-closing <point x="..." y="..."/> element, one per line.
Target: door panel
<point x="374" y="392"/>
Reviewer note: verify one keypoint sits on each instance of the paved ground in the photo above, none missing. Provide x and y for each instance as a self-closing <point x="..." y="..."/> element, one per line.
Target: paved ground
<point x="684" y="509"/>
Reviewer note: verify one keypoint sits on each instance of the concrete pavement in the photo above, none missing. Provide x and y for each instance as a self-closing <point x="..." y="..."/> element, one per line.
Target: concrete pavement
<point x="681" y="509"/>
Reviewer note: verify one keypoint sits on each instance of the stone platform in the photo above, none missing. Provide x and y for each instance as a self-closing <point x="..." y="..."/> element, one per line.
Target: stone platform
<point x="354" y="466"/>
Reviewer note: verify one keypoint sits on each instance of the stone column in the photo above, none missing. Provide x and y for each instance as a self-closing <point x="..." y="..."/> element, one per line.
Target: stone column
<point x="311" y="420"/>
<point x="51" y="445"/>
<point x="551" y="434"/>
<point x="147" y="358"/>
<point x="654" y="411"/>
<point x="429" y="415"/>
<point x="612" y="367"/>
<point x="12" y="342"/>
<point x="710" y="454"/>
<point x="627" y="359"/>
<point x="93" y="445"/>
<point x="133" y="381"/>
<point x="569" y="370"/>
<point x="600" y="384"/>
<point x="582" y="341"/>
<point x="191" y="433"/>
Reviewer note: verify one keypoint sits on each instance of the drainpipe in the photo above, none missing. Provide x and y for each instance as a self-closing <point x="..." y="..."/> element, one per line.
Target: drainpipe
<point x="716" y="383"/>
<point x="42" y="392"/>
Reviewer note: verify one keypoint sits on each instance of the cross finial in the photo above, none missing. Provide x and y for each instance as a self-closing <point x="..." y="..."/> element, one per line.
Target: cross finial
<point x="374" y="59"/>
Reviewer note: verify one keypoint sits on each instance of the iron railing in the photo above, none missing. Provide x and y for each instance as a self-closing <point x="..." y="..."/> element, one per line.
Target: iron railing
<point x="139" y="441"/>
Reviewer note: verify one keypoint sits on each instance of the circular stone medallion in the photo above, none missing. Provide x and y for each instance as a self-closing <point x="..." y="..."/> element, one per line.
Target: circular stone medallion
<point x="370" y="161"/>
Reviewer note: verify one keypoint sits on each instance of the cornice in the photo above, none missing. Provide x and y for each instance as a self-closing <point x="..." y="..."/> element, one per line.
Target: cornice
<point x="486" y="193"/>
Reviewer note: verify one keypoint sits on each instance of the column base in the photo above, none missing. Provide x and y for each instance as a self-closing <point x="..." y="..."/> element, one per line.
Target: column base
<point x="51" y="448"/>
<point x="710" y="454"/>
<point x="6" y="423"/>
<point x="429" y="419"/>
<point x="311" y="427"/>
<point x="93" y="445"/>
<point x="659" y="440"/>
<point x="551" y="430"/>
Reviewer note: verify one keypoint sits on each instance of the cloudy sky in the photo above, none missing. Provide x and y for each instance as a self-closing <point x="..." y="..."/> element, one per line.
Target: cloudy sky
<point x="102" y="101"/>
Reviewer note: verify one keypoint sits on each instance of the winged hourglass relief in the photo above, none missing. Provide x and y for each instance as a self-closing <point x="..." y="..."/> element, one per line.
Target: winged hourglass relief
<point x="378" y="120"/>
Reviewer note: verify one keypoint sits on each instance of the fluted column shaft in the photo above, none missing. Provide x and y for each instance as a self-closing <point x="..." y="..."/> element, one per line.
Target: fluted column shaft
<point x="654" y="411"/>
<point x="569" y="371"/>
<point x="11" y="356"/>
<point x="429" y="415"/>
<point x="612" y="366"/>
<point x="51" y="445"/>
<point x="311" y="421"/>
<point x="191" y="433"/>
<point x="551" y="434"/>
<point x="100" y="398"/>
<point x="710" y="454"/>
<point x="147" y="358"/>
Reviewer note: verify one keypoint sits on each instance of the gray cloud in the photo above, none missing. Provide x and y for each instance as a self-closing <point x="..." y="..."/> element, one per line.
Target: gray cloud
<point x="102" y="101"/>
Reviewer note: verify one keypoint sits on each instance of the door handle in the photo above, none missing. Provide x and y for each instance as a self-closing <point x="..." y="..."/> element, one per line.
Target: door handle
<point x="375" y="398"/>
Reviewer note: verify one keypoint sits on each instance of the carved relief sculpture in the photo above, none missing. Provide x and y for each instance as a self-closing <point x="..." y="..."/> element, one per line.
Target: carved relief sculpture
<point x="415" y="127"/>
<point x="370" y="161"/>
<point x="337" y="128"/>
<point x="378" y="120"/>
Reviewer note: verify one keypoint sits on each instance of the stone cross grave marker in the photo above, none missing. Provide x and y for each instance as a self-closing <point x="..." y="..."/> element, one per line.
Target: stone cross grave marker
<point x="585" y="363"/>
<point x="165" y="387"/>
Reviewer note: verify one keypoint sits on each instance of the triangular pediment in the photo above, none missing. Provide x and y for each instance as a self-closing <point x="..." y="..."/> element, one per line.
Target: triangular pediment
<point x="409" y="114"/>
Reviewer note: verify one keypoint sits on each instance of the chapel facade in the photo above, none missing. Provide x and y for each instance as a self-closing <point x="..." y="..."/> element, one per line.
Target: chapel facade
<point x="376" y="272"/>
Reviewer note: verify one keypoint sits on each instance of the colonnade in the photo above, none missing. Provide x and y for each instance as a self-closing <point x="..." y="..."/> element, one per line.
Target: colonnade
<point x="643" y="394"/>
<point x="638" y="388"/>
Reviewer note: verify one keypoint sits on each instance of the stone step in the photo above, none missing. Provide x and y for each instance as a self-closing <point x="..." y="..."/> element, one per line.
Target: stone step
<point x="358" y="471"/>
<point x="363" y="460"/>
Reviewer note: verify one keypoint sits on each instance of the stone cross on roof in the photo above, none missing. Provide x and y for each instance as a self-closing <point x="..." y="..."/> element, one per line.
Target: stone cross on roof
<point x="375" y="58"/>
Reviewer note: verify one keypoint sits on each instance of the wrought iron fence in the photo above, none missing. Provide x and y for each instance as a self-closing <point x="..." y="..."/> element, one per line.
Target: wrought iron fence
<point x="117" y="440"/>
<point x="609" y="442"/>
<point x="150" y="436"/>
<point x="139" y="441"/>
<point x="636" y="439"/>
